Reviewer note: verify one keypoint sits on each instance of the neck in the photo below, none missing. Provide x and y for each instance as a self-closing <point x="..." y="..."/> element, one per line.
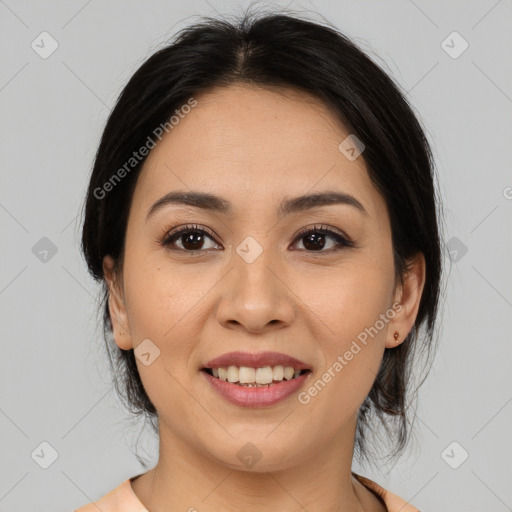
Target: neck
<point x="190" y="480"/>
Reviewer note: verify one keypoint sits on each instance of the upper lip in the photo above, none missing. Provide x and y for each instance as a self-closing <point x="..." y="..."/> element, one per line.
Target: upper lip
<point x="257" y="360"/>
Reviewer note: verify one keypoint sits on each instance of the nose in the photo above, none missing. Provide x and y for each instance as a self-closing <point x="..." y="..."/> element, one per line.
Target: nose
<point x="255" y="296"/>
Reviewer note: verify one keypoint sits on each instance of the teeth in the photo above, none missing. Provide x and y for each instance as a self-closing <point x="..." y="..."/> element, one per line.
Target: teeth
<point x="232" y="374"/>
<point x="255" y="377"/>
<point x="247" y="375"/>
<point x="264" y="375"/>
<point x="288" y="373"/>
<point x="278" y="373"/>
<point x="223" y="374"/>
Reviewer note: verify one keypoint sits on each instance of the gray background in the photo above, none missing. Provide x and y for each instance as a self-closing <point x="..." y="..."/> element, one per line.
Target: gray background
<point x="54" y="380"/>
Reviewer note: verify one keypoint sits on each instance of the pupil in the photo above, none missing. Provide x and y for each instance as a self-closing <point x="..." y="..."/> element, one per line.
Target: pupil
<point x="188" y="239"/>
<point x="314" y="241"/>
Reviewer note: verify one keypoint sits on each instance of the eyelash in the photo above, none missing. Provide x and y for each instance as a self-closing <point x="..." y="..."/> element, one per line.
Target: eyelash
<point x="172" y="236"/>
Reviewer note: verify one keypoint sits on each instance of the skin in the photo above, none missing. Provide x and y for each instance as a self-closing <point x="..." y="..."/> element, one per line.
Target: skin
<point x="255" y="147"/>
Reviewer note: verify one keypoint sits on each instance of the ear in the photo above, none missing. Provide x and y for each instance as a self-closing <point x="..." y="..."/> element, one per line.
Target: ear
<point x="408" y="296"/>
<point x="116" y="305"/>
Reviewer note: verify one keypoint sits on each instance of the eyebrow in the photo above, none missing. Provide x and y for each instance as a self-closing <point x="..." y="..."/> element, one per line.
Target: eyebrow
<point x="289" y="206"/>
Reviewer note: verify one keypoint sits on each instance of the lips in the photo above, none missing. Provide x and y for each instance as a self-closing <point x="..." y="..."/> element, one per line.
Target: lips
<point x="258" y="360"/>
<point x="256" y="380"/>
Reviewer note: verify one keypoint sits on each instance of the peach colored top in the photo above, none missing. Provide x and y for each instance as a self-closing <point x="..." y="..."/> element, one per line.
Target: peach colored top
<point x="123" y="499"/>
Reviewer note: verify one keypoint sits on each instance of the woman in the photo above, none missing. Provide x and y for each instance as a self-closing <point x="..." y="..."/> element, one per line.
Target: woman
<point x="262" y="215"/>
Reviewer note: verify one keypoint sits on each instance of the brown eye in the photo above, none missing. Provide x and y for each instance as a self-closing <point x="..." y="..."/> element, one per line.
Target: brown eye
<point x="193" y="238"/>
<point x="190" y="238"/>
<point x="314" y="240"/>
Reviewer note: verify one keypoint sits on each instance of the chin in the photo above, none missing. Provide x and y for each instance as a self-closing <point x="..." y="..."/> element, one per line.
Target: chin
<point x="259" y="453"/>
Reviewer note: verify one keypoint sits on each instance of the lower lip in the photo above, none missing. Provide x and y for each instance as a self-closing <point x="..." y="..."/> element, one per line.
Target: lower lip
<point x="256" y="397"/>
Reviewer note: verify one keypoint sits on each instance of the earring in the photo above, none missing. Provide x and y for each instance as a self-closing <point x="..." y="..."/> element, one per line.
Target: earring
<point x="396" y="335"/>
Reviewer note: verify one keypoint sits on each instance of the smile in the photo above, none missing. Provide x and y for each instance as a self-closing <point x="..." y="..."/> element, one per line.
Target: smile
<point x="255" y="377"/>
<point x="254" y="394"/>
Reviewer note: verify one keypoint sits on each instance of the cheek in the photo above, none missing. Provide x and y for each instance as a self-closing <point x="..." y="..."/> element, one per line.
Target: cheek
<point x="354" y="313"/>
<point x="161" y="296"/>
<point x="348" y="299"/>
<point x="164" y="307"/>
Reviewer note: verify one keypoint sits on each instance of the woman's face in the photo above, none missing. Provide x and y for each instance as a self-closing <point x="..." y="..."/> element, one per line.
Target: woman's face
<point x="255" y="283"/>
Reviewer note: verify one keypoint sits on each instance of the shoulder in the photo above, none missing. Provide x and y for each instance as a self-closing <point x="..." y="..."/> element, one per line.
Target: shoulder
<point x="393" y="502"/>
<point x="123" y="499"/>
<point x="120" y="499"/>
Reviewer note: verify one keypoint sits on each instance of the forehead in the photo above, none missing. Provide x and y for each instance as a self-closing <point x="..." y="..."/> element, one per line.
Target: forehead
<point x="256" y="145"/>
